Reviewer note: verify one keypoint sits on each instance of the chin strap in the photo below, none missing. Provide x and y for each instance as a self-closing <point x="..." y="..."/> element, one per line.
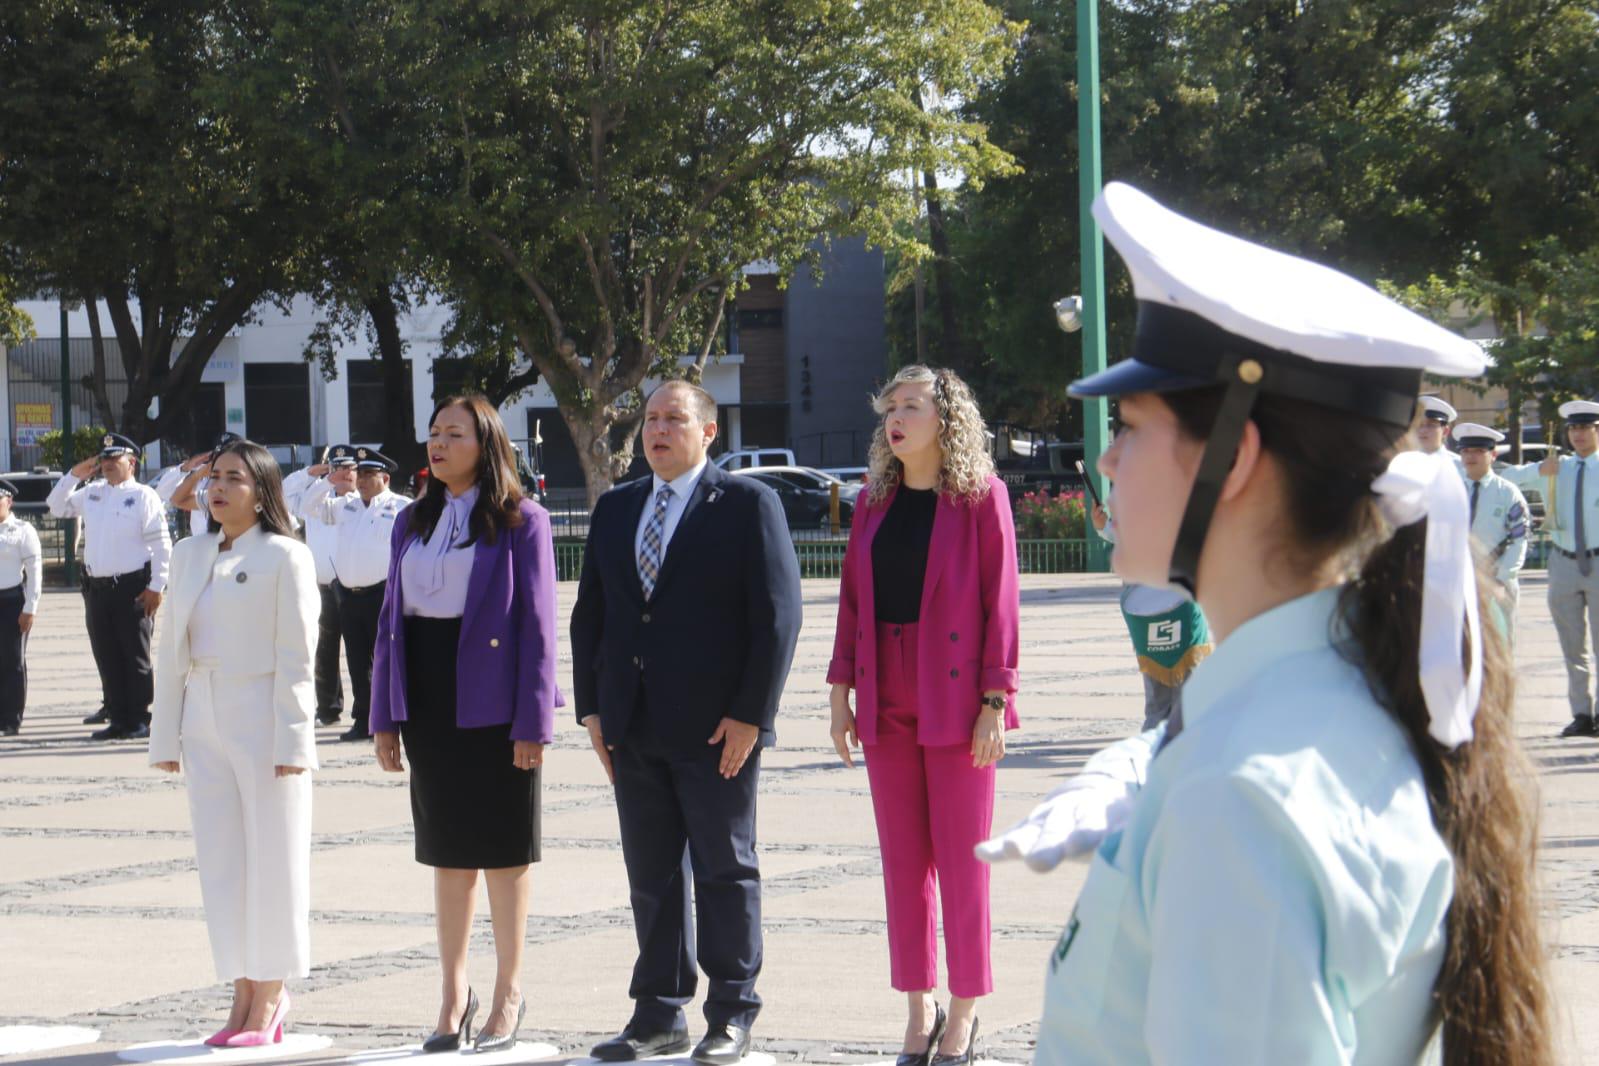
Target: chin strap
<point x="1418" y="486"/>
<point x="1244" y="377"/>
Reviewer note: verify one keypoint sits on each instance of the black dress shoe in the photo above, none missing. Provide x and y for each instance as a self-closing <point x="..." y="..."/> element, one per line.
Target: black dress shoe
<point x="138" y="732"/>
<point x="723" y="1045"/>
<point x="1580" y="726"/>
<point x="923" y="1057"/>
<point x="110" y="732"/>
<point x="454" y="1041"/>
<point x="10" y="730"/>
<point x="326" y="717"/>
<point x="355" y="732"/>
<point x="965" y="1058"/>
<point x="485" y="1043"/>
<point x="98" y="717"/>
<point x="634" y="1042"/>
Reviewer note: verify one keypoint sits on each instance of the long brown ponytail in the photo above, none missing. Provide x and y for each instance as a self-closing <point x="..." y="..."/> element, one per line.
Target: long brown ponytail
<point x="1492" y="992"/>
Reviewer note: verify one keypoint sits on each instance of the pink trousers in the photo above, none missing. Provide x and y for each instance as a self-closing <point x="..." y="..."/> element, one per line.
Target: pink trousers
<point x="932" y="808"/>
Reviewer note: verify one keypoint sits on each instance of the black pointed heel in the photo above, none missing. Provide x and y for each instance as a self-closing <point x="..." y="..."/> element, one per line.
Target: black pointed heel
<point x="965" y="1058"/>
<point x="505" y="1042"/>
<point x="923" y="1058"/>
<point x="458" y="1039"/>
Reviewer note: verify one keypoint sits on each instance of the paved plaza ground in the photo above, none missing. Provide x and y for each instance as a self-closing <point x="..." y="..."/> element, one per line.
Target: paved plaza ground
<point x="101" y="924"/>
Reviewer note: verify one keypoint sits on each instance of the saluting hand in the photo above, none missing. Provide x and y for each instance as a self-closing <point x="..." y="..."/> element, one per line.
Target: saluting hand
<point x="387" y="745"/>
<point x="740" y="738"/>
<point x="85" y="468"/>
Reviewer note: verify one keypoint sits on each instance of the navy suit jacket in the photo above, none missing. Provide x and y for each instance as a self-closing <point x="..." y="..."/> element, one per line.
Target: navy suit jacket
<point x="717" y="637"/>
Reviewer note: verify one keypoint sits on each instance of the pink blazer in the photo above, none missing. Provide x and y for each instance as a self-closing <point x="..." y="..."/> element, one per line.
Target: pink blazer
<point x="971" y="605"/>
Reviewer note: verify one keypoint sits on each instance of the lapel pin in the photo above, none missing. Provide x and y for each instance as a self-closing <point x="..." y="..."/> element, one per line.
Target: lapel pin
<point x="242" y="578"/>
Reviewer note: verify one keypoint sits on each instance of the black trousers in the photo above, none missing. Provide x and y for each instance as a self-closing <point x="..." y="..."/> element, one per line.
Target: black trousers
<point x="119" y="637"/>
<point x="358" y="621"/>
<point x="688" y="836"/>
<point x="329" y="689"/>
<point x="13" y="662"/>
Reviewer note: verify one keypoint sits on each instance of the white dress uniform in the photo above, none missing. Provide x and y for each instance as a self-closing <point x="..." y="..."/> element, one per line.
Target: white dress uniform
<point x="234" y="700"/>
<point x="166" y="487"/>
<point x="360" y="573"/>
<point x="1278" y="893"/>
<point x="21" y="578"/>
<point x="1571" y="518"/>
<point x="323" y="540"/>
<point x="126" y="551"/>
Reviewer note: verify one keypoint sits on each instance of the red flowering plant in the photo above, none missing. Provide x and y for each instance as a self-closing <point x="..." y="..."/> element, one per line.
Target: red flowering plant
<point x="1040" y="516"/>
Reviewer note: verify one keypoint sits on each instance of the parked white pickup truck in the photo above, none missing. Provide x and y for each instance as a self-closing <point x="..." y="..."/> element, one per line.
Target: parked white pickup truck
<point x="749" y="458"/>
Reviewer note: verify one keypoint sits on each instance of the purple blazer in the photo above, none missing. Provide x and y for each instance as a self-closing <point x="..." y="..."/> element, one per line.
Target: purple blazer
<point x="506" y="669"/>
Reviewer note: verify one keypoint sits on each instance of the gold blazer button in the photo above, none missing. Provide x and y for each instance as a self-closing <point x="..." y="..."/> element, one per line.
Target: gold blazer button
<point x="494" y="642"/>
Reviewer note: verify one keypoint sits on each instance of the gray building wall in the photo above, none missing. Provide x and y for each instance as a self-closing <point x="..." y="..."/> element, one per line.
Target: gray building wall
<point x="835" y="332"/>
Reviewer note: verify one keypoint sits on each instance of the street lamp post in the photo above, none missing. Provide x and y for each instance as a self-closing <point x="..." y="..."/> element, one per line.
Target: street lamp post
<point x="1096" y="411"/>
<point x="67" y="459"/>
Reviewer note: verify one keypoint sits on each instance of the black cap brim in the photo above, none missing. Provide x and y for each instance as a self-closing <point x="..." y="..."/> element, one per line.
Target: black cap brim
<point x="1130" y="376"/>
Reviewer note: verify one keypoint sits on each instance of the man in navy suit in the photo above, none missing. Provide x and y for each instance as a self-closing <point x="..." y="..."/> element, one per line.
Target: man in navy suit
<point x="687" y="613"/>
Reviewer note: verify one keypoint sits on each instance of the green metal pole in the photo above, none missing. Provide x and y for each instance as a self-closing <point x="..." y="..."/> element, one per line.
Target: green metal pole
<point x="70" y="525"/>
<point x="1096" y="412"/>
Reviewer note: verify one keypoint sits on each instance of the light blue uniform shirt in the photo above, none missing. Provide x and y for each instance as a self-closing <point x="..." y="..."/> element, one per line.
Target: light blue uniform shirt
<point x="1561" y="523"/>
<point x="1279" y="892"/>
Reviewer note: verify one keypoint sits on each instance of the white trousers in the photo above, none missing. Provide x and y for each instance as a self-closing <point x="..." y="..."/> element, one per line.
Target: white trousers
<point x="252" y="830"/>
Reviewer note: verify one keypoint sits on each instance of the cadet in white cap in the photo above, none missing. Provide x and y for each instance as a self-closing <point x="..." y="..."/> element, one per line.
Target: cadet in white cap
<point x="1433" y="428"/>
<point x="1570" y="487"/>
<point x="365" y="521"/>
<point x="323" y="540"/>
<point x="21" y="576"/>
<point x="1330" y="859"/>
<point x="125" y="557"/>
<point x="1498" y="511"/>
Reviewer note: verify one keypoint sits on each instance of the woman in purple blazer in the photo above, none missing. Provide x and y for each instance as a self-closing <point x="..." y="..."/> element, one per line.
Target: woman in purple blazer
<point x="464" y="675"/>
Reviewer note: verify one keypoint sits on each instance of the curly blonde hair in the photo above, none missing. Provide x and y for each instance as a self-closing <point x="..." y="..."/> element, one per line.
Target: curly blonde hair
<point x="967" y="462"/>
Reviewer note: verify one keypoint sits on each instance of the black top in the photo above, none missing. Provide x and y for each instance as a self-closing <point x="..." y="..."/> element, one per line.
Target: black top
<point x="899" y="555"/>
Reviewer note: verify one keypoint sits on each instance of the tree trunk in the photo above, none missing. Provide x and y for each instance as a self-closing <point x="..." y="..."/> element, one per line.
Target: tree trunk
<point x="952" y="352"/>
<point x="1513" y="423"/>
<point x="94" y="381"/>
<point x="399" y="420"/>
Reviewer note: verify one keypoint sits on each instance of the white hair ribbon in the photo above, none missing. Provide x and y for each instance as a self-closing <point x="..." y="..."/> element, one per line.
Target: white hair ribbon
<point x="1416" y="486"/>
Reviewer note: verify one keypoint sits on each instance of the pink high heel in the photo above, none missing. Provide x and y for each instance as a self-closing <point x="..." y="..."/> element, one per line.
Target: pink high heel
<point x="221" y="1037"/>
<point x="272" y="1034"/>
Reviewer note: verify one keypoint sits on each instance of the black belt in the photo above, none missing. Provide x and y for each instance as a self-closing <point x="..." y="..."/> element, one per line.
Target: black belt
<point x="13" y="593"/>
<point x="112" y="581"/>
<point x="362" y="590"/>
<point x="1589" y="554"/>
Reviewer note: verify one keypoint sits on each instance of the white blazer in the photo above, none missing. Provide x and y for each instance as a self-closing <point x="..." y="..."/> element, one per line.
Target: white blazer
<point x="266" y="594"/>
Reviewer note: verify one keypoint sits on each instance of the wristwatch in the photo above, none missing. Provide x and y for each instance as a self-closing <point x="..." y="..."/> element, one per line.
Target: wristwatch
<point x="994" y="703"/>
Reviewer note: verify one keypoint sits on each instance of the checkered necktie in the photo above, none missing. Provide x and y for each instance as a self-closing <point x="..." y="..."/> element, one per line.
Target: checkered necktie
<point x="649" y="553"/>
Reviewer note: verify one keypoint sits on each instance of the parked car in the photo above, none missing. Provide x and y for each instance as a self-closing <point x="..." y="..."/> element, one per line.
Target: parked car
<point x="806" y="494"/>
<point x="847" y="474"/>
<point x="746" y="458"/>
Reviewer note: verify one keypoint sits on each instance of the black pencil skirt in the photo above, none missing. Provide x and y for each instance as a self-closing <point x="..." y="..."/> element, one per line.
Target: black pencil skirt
<point x="472" y="808"/>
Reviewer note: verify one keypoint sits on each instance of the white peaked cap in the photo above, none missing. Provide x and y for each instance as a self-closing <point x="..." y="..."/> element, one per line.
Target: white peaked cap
<point x="1436" y="406"/>
<point x="1579" y="410"/>
<point x="1472" y="435"/>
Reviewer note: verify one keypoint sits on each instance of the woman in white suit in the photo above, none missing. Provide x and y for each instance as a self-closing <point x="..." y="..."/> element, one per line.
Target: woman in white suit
<point x="234" y="702"/>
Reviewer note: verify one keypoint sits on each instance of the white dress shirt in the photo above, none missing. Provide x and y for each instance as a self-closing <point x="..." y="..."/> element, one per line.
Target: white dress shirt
<point x="166" y="485"/>
<point x="682" y="487"/>
<point x="1560" y="519"/>
<point x="124" y="526"/>
<point x="21" y="561"/>
<point x="320" y="537"/>
<point x="361" y="554"/>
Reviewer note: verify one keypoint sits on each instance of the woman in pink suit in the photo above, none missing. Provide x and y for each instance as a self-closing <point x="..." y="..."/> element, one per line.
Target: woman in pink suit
<point x="927" y="638"/>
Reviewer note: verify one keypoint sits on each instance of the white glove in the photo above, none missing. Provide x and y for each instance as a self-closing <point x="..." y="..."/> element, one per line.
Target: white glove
<point x="1075" y="818"/>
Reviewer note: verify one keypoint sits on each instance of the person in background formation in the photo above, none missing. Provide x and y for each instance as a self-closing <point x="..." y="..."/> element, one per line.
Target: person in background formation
<point x="21" y="578"/>
<point x="1436" y="418"/>
<point x="1498" y="512"/>
<point x="1333" y="855"/>
<point x="1570" y="487"/>
<point x="323" y="541"/>
<point x="465" y="678"/>
<point x="125" y="562"/>
<point x="926" y="637"/>
<point x="365" y="522"/>
<point x="233" y="711"/>
<point x="186" y="491"/>
<point x="688" y="610"/>
<point x="1168" y="631"/>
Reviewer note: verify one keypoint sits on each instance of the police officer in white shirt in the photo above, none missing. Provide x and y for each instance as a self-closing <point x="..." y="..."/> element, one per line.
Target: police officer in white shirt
<point x="1498" y="511"/>
<point x="1570" y="484"/>
<point x="189" y="493"/>
<point x="323" y="540"/>
<point x="21" y="574"/>
<point x="365" y="521"/>
<point x="125" y="561"/>
<point x="1436" y="418"/>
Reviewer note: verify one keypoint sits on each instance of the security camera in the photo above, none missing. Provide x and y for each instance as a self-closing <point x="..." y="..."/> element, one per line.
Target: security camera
<point x="1069" y="313"/>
